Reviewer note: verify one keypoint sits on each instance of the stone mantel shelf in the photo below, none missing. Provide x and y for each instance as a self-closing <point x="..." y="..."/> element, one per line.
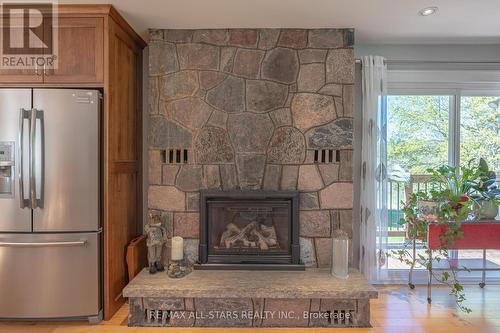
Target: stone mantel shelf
<point x="312" y="283"/>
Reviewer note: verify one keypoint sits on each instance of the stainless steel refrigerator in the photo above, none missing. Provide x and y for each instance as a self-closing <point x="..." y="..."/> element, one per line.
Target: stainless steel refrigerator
<point x="50" y="230"/>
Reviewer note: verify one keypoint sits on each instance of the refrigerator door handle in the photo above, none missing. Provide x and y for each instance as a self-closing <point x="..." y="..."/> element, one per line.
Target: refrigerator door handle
<point x="43" y="244"/>
<point x="39" y="199"/>
<point x="23" y="114"/>
<point x="35" y="201"/>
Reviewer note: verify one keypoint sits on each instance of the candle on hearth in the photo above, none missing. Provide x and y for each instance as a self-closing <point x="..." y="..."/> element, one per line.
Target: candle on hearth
<point x="177" y="248"/>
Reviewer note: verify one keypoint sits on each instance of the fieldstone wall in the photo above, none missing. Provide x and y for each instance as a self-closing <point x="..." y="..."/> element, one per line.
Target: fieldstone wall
<point x="251" y="106"/>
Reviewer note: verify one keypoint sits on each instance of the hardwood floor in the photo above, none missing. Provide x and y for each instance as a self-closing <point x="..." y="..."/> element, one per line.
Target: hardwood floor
<point x="397" y="310"/>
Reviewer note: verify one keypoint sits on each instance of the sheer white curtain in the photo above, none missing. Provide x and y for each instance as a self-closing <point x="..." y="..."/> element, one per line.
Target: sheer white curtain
<point x="373" y="229"/>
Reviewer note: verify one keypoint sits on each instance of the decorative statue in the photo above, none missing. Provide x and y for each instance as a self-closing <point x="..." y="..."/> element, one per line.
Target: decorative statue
<point x="157" y="236"/>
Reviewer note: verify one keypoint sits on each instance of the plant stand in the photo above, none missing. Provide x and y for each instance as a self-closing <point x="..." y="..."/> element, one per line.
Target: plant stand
<point x="482" y="235"/>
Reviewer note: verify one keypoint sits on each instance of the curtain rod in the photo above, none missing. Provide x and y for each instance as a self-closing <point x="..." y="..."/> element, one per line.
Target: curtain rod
<point x="388" y="61"/>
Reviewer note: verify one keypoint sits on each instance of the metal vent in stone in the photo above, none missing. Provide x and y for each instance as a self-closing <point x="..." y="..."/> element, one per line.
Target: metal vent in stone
<point x="175" y="156"/>
<point x="326" y="156"/>
<point x="341" y="317"/>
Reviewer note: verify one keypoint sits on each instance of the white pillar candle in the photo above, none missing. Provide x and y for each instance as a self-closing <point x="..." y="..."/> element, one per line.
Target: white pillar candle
<point x="177" y="248"/>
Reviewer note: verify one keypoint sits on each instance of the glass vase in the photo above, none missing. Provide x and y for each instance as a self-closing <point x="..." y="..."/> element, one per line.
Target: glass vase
<point x="340" y="254"/>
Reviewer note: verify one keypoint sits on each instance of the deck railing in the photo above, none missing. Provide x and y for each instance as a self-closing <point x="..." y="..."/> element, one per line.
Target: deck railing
<point x="399" y="192"/>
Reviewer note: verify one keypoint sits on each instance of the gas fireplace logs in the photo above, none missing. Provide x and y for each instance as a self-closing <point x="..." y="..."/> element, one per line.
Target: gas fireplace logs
<point x="253" y="235"/>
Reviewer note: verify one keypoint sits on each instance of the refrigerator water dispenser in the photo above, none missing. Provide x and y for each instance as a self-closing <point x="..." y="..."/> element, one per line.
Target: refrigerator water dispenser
<point x="7" y="166"/>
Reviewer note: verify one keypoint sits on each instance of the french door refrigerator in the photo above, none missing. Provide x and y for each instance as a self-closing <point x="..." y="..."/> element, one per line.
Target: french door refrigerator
<point x="50" y="232"/>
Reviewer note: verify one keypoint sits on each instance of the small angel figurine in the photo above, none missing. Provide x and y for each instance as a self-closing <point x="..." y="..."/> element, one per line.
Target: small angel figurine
<point x="157" y="236"/>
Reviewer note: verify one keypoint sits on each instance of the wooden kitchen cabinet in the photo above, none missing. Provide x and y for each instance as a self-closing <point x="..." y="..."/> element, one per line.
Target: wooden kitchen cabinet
<point x="80" y="55"/>
<point x="80" y="51"/>
<point x="21" y="76"/>
<point x="98" y="49"/>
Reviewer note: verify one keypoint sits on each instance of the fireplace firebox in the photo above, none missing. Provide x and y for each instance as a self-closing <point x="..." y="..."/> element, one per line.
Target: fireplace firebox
<point x="249" y="230"/>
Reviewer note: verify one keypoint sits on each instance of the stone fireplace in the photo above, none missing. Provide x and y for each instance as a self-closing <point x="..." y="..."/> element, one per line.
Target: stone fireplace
<point x="250" y="161"/>
<point x="249" y="230"/>
<point x="252" y="110"/>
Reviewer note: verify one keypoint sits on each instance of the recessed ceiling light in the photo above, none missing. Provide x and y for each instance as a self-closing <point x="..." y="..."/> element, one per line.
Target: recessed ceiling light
<point x="428" y="11"/>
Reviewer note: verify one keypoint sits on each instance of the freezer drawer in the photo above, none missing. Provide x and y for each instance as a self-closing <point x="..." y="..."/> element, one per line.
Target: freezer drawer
<point x="49" y="275"/>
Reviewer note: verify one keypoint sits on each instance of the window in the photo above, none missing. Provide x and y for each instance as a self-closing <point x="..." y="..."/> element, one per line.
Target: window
<point x="480" y="130"/>
<point x="417" y="132"/>
<point x="417" y="138"/>
<point x="431" y="127"/>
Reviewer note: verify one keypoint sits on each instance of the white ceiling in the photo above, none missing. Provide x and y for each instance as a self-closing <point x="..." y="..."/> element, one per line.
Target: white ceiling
<point x="375" y="21"/>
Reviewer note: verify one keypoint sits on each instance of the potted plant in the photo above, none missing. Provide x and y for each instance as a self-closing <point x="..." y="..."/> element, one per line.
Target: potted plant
<point x="489" y="205"/>
<point x="485" y="191"/>
<point x="455" y="197"/>
<point x="448" y="203"/>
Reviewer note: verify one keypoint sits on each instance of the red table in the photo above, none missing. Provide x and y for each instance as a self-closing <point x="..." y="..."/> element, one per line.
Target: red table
<point x="481" y="235"/>
<point x="477" y="236"/>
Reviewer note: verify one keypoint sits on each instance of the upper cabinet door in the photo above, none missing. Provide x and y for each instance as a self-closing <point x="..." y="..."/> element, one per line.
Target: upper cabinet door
<point x="17" y="75"/>
<point x="80" y="52"/>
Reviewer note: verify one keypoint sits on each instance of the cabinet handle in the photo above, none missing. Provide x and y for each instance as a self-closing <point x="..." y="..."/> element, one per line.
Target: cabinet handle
<point x="45" y="71"/>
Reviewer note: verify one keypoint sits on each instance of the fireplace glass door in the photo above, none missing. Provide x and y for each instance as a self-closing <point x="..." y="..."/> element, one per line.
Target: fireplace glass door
<point x="255" y="228"/>
<point x="249" y="228"/>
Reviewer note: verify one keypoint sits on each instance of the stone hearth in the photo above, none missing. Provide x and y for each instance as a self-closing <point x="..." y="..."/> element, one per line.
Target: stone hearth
<point x="252" y="109"/>
<point x="250" y="299"/>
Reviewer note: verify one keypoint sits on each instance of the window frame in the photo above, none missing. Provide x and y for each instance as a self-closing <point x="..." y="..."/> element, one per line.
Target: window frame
<point x="439" y="83"/>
